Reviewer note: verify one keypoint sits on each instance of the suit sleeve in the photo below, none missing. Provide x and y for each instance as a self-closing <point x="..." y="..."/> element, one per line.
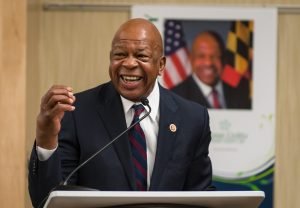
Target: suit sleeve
<point x="199" y="176"/>
<point x="45" y="175"/>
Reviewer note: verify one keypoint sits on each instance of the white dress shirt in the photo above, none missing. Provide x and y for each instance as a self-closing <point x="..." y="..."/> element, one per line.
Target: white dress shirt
<point x="149" y="126"/>
<point x="207" y="91"/>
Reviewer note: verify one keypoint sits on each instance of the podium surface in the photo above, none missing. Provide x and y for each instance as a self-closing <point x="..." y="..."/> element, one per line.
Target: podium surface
<point x="209" y="199"/>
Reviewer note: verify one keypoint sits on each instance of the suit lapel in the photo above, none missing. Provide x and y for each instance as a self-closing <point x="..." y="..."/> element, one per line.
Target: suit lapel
<point x="111" y="111"/>
<point x="196" y="93"/>
<point x="166" y="138"/>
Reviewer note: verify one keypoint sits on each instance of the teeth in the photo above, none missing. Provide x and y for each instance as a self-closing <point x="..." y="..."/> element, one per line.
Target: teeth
<point x="131" y="78"/>
<point x="209" y="71"/>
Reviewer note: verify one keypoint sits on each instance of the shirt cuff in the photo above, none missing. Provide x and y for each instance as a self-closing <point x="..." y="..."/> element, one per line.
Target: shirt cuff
<point x="44" y="154"/>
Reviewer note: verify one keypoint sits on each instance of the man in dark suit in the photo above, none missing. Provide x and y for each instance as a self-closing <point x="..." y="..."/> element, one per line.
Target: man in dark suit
<point x="177" y="131"/>
<point x="205" y="86"/>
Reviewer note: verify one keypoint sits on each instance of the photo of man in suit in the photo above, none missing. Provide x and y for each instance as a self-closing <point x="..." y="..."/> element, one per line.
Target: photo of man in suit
<point x="168" y="151"/>
<point x="204" y="86"/>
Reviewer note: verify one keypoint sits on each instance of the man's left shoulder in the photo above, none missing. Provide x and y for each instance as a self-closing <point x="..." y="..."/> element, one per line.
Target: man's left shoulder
<point x="182" y="102"/>
<point x="242" y="87"/>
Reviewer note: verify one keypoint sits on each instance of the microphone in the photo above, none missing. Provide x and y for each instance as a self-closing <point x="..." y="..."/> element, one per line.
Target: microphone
<point x="64" y="184"/>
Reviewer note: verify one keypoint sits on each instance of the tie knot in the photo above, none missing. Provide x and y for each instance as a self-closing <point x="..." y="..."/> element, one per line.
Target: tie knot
<point x="138" y="109"/>
<point x="214" y="91"/>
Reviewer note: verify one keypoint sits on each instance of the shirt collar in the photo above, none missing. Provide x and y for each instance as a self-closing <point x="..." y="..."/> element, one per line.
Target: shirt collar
<point x="153" y="99"/>
<point x="206" y="89"/>
<point x="219" y="87"/>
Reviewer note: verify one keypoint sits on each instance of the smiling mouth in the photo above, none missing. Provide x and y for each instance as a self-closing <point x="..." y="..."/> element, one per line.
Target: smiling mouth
<point x="130" y="78"/>
<point x="209" y="71"/>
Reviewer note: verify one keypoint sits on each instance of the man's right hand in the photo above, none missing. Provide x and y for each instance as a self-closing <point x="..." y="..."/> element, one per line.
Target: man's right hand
<point x="54" y="103"/>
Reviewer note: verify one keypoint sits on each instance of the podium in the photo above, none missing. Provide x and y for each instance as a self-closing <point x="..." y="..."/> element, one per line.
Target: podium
<point x="137" y="199"/>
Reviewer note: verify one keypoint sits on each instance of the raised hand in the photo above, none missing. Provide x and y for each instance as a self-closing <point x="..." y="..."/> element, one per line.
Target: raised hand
<point x="54" y="104"/>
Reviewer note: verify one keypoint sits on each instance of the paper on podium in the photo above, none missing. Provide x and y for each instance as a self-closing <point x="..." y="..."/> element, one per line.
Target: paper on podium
<point x="209" y="199"/>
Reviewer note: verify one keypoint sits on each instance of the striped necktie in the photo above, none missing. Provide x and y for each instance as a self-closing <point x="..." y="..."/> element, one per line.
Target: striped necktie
<point x="138" y="149"/>
<point x="216" y="101"/>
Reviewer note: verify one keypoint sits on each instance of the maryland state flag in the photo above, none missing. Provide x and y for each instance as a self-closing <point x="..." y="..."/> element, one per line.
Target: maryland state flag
<point x="239" y="53"/>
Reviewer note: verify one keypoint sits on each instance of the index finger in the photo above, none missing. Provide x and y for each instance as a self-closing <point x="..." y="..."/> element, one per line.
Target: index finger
<point x="57" y="90"/>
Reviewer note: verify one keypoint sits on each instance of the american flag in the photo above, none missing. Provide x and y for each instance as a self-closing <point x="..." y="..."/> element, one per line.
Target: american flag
<point x="178" y="66"/>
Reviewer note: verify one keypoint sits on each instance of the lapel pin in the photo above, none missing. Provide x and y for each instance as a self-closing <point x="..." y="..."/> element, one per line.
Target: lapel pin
<point x="173" y="128"/>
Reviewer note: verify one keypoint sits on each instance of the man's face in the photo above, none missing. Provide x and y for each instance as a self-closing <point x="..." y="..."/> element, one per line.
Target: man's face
<point x="206" y="59"/>
<point x="135" y="63"/>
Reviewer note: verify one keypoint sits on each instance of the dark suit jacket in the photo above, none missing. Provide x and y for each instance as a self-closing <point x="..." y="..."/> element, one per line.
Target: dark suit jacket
<point x="235" y="98"/>
<point x="181" y="163"/>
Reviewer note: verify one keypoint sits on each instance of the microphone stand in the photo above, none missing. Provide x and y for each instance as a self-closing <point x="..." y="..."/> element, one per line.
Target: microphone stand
<point x="144" y="102"/>
<point x="63" y="186"/>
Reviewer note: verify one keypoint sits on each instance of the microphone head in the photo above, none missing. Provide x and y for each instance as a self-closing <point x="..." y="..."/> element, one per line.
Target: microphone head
<point x="144" y="101"/>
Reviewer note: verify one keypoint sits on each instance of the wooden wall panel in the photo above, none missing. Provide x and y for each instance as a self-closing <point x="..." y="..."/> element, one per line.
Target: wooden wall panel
<point x="71" y="47"/>
<point x="76" y="45"/>
<point x="12" y="102"/>
<point x="287" y="171"/>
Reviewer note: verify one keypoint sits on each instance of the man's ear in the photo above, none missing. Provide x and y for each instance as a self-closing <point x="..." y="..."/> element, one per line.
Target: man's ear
<point x="162" y="65"/>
